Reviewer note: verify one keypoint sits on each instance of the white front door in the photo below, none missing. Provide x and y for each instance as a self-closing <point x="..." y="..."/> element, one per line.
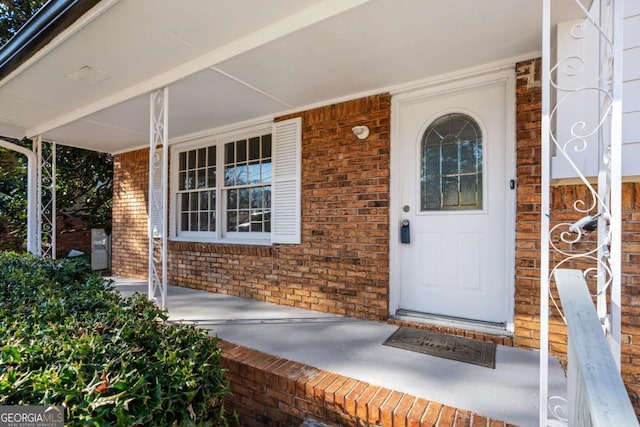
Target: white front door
<point x="454" y="191"/>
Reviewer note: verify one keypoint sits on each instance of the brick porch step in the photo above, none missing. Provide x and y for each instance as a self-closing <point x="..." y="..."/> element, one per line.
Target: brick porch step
<point x="272" y="391"/>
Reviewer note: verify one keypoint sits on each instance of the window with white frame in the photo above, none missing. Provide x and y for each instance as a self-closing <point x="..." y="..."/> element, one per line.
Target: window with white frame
<point x="226" y="187"/>
<point x="247" y="185"/>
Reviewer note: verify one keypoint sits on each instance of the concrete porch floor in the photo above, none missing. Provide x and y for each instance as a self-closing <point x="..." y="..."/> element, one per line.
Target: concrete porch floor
<point x="353" y="348"/>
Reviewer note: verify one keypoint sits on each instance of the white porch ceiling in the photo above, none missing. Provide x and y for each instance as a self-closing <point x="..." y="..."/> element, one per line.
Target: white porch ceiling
<point x="230" y="61"/>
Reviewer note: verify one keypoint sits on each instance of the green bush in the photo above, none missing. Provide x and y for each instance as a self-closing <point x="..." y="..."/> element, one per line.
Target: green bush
<point x="68" y="339"/>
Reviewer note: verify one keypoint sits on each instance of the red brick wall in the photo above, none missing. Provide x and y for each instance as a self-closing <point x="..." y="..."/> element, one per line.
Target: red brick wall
<point x="129" y="244"/>
<point x="342" y="265"/>
<point x="631" y="291"/>
<point x="72" y="235"/>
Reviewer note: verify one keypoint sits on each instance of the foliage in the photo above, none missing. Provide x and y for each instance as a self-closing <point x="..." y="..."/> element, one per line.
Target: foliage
<point x="68" y="339"/>
<point x="84" y="187"/>
<point x="14" y="14"/>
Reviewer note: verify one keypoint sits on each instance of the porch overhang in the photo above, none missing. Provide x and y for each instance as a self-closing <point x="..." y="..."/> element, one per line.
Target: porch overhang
<point x="89" y="85"/>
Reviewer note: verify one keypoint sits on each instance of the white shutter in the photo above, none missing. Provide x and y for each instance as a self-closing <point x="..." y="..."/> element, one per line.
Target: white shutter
<point x="285" y="213"/>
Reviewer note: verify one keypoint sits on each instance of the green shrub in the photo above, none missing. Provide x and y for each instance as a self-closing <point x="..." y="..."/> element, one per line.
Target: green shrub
<point x="68" y="339"/>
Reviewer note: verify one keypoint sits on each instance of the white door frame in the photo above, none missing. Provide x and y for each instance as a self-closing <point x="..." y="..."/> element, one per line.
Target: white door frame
<point x="439" y="88"/>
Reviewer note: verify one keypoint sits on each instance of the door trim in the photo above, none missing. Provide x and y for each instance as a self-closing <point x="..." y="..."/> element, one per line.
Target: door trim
<point x="504" y="78"/>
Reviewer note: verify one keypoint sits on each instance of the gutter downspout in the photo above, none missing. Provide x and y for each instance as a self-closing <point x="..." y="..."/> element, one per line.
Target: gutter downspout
<point x="32" y="214"/>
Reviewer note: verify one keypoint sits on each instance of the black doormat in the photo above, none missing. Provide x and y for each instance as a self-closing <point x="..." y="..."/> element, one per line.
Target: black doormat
<point x="462" y="349"/>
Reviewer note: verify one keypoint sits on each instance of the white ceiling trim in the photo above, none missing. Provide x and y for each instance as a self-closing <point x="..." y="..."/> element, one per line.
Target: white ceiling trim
<point x="80" y="23"/>
<point x="305" y="18"/>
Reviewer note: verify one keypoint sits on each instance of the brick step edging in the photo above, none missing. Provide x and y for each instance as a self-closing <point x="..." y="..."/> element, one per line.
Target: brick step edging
<point x="272" y="391"/>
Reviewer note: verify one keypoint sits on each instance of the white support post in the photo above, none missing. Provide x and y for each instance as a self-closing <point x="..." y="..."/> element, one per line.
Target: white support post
<point x="46" y="185"/>
<point x="36" y="146"/>
<point x="158" y="171"/>
<point x="32" y="197"/>
<point x="616" y="181"/>
<point x="545" y="211"/>
<point x="603" y="20"/>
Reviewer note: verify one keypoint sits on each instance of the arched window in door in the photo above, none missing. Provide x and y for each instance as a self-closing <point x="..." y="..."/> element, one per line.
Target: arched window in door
<point x="451" y="164"/>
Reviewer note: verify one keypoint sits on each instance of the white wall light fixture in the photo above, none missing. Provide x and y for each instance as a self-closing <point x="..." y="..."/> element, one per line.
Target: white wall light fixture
<point x="361" y="131"/>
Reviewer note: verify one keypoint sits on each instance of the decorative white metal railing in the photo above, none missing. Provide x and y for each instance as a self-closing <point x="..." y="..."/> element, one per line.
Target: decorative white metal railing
<point x="46" y="157"/>
<point x="581" y="121"/>
<point x="158" y="169"/>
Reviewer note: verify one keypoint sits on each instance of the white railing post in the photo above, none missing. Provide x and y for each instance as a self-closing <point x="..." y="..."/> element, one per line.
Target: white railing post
<point x="616" y="180"/>
<point x="32" y="197"/>
<point x="544" y="211"/>
<point x="46" y="184"/>
<point x="157" y="211"/>
<point x="585" y="88"/>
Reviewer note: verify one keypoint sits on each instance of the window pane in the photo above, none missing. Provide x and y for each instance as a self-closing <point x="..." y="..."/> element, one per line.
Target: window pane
<point x="193" y="221"/>
<point x="266" y="197"/>
<point x="449" y="159"/>
<point x="431" y="157"/>
<point x="241" y="175"/>
<point x="256" y="220"/>
<point x="184" y="204"/>
<point x="431" y="193"/>
<point x="244" y="221"/>
<point x="451" y="164"/>
<point x="241" y="151"/>
<point x="193" y="206"/>
<point x="202" y="157"/>
<point x="191" y="180"/>
<point x="191" y="163"/>
<point x="204" y="221"/>
<point x="254" y="148"/>
<point x="211" y="177"/>
<point x="182" y="181"/>
<point x="256" y="197"/>
<point x="204" y="201"/>
<point x="266" y="146"/>
<point x="266" y="172"/>
<point x="202" y="178"/>
<point x="232" y="199"/>
<point x="232" y="221"/>
<point x="468" y="190"/>
<point x="469" y="157"/>
<point x="243" y="201"/>
<point x="254" y="173"/>
<point x="229" y="176"/>
<point x="450" y="191"/>
<point x="229" y="155"/>
<point x="182" y="161"/>
<point x="184" y="222"/>
<point x="211" y="155"/>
